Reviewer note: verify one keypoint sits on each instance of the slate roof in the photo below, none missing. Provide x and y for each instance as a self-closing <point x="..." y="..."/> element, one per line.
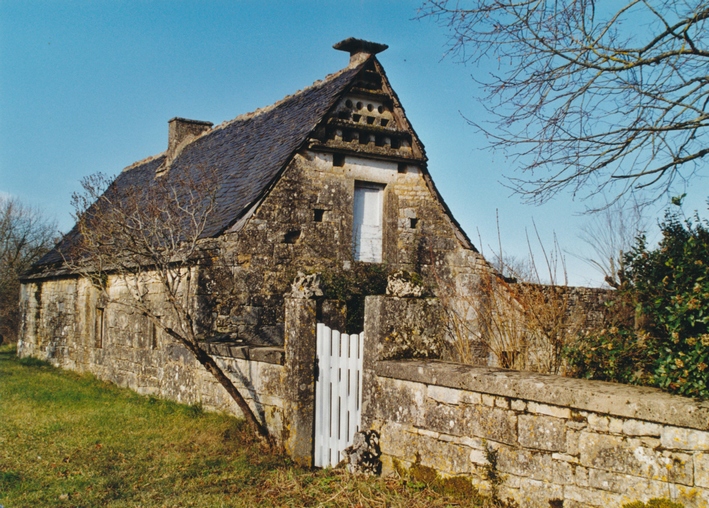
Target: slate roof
<point x="247" y="153"/>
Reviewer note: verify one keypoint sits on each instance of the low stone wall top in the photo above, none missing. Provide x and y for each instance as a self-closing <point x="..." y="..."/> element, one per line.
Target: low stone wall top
<point x="641" y="403"/>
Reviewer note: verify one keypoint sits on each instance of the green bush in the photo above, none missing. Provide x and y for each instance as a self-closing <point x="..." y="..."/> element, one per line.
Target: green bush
<point x="613" y="354"/>
<point x="667" y="342"/>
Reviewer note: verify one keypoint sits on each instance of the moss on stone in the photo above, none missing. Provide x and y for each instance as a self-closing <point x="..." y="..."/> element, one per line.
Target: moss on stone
<point x="456" y="486"/>
<point x="654" y="503"/>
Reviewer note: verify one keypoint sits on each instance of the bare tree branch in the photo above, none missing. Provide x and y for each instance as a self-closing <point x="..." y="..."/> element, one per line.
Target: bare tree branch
<point x="150" y="240"/>
<point x="589" y="98"/>
<point x="25" y="235"/>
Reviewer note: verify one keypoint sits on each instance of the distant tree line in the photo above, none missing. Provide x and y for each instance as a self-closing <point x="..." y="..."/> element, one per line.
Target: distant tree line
<point x="25" y="236"/>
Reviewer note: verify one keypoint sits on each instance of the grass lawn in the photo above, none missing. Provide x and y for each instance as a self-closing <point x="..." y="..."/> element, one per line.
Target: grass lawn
<point x="71" y="440"/>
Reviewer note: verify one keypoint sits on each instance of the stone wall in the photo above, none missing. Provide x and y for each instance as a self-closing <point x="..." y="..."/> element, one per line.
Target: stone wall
<point x="305" y="224"/>
<point x="60" y="325"/>
<point x="537" y="439"/>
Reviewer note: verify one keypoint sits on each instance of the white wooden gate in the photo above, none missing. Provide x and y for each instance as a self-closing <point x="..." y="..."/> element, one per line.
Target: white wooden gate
<point x="338" y="393"/>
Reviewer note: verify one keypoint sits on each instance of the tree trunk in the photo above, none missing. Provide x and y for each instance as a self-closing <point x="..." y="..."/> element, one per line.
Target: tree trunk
<point x="208" y="363"/>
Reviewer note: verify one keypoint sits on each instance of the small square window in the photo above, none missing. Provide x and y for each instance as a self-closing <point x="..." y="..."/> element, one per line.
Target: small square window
<point x="318" y="215"/>
<point x="402" y="167"/>
<point x="413" y="222"/>
<point x="338" y="160"/>
<point x="291" y="236"/>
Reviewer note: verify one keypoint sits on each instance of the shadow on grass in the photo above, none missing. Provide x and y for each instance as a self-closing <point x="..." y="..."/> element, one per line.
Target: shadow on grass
<point x="9" y="352"/>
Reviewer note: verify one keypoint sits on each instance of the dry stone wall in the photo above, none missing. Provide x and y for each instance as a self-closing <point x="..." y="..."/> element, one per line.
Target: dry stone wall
<point x="536" y="439"/>
<point x="541" y="452"/>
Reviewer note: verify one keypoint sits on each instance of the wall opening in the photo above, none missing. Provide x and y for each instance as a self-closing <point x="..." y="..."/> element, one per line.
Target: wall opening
<point x="292" y="236"/>
<point x="338" y="159"/>
<point x="99" y="327"/>
<point x="367" y="225"/>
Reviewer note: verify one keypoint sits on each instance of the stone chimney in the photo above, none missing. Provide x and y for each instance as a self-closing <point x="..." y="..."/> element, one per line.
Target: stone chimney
<point x="182" y="131"/>
<point x="359" y="49"/>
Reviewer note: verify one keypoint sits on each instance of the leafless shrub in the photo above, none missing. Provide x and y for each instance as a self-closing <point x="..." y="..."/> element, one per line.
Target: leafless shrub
<point x="524" y="325"/>
<point x="149" y="239"/>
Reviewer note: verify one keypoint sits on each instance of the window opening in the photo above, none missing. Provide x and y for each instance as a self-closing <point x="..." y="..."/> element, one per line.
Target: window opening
<point x="367" y="226"/>
<point x="292" y="236"/>
<point x="99" y="327"/>
<point x="338" y="159"/>
<point x="318" y="215"/>
<point x="153" y="336"/>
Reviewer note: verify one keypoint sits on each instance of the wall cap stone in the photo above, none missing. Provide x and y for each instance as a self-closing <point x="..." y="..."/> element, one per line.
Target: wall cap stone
<point x="641" y="403"/>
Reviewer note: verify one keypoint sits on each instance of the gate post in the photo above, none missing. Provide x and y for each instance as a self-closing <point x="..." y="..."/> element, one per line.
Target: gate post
<point x="299" y="382"/>
<point x="396" y="328"/>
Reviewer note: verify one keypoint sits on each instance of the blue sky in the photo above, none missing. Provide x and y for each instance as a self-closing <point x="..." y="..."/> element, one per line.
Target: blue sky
<point x="88" y="86"/>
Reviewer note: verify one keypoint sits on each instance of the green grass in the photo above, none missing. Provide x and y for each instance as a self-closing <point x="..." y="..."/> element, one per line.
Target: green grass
<point x="70" y="440"/>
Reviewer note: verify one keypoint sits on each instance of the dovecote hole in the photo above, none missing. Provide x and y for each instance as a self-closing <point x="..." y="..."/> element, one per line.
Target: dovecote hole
<point x="338" y="159"/>
<point x="292" y="236"/>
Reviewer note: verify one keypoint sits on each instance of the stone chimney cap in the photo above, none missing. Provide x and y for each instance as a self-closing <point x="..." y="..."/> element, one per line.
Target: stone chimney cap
<point x="354" y="46"/>
<point x="187" y="120"/>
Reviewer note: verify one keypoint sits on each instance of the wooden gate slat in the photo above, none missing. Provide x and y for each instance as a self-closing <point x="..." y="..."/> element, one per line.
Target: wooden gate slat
<point x="342" y="391"/>
<point x="352" y="420"/>
<point x="337" y="393"/>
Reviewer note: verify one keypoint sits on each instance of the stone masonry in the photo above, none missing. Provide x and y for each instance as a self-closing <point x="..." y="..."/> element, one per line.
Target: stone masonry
<point x="574" y="443"/>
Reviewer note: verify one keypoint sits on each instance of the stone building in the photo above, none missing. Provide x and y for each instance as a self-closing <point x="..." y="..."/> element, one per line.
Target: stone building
<point x="332" y="180"/>
<point x="328" y="180"/>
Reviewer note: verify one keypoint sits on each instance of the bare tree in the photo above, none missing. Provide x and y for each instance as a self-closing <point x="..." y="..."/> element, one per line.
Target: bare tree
<point x="601" y="97"/>
<point x="610" y="234"/>
<point x="523" y="319"/>
<point x="25" y="236"/>
<point x="149" y="238"/>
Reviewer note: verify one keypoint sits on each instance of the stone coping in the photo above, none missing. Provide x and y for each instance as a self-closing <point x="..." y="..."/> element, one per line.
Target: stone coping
<point x="642" y="403"/>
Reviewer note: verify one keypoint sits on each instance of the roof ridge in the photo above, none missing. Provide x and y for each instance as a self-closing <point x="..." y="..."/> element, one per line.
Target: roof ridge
<point x="270" y="107"/>
<point x="150" y="158"/>
<point x="249" y="115"/>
